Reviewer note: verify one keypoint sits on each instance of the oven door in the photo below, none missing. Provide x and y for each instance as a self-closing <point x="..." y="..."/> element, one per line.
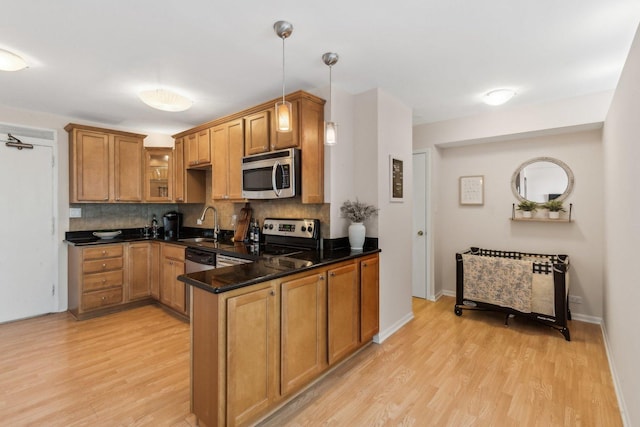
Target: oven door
<point x="271" y="175"/>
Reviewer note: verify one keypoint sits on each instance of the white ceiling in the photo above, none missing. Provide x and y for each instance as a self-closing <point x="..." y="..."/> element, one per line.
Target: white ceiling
<point x="88" y="59"/>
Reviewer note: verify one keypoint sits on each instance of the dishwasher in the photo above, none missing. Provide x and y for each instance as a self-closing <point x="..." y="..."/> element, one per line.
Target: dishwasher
<point x="201" y="260"/>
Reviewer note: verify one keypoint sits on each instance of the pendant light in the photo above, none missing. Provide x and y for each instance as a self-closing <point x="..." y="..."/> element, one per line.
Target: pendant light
<point x="330" y="127"/>
<point x="283" y="108"/>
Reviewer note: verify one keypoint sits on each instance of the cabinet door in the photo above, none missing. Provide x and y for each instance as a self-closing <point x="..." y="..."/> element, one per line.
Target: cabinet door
<point x="192" y="149"/>
<point x="180" y="289"/>
<point x="281" y="140"/>
<point x="178" y="170"/>
<point x="139" y="270"/>
<point x="91" y="164"/>
<point x="127" y="168"/>
<point x="220" y="172"/>
<point x="252" y="337"/>
<point x="343" y="311"/>
<point x="312" y="145"/>
<point x="204" y="147"/>
<point x="369" y="298"/>
<point x="167" y="278"/>
<point x="303" y="344"/>
<point x="158" y="174"/>
<point x="236" y="151"/>
<point x="257" y="133"/>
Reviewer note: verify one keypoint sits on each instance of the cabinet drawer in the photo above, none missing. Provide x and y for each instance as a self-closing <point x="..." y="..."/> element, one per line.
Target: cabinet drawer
<point x="107" y="264"/>
<point x="174" y="252"/>
<point x="94" y="282"/>
<point x="100" y="252"/>
<point x="102" y="298"/>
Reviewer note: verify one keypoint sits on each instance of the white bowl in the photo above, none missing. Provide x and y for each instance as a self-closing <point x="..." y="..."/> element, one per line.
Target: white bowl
<point x="106" y="234"/>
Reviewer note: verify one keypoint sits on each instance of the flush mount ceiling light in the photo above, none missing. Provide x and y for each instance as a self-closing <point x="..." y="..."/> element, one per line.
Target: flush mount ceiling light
<point x="9" y="61"/>
<point x="330" y="127"/>
<point x="165" y="100"/>
<point x="498" y="96"/>
<point x="283" y="108"/>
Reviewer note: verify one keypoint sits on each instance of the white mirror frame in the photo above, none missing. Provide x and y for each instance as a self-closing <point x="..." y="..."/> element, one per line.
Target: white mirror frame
<point x="563" y="165"/>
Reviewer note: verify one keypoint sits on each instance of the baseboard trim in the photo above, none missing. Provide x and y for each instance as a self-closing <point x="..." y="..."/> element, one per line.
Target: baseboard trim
<point x="616" y="382"/>
<point x="586" y="318"/>
<point x="383" y="335"/>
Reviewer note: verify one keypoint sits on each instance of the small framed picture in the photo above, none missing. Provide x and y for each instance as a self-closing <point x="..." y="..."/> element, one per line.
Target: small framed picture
<point x="396" y="179"/>
<point x="472" y="190"/>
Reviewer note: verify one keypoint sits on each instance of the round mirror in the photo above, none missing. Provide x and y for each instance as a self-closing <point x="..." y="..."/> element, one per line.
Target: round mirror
<point x="542" y="179"/>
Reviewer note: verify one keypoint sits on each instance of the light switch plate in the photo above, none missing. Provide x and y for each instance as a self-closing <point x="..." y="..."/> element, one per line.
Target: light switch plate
<point x="75" y="212"/>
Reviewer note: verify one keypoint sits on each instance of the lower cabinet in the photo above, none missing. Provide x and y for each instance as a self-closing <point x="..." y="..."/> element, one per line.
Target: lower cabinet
<point x="139" y="268"/>
<point x="254" y="347"/>
<point x="172" y="291"/>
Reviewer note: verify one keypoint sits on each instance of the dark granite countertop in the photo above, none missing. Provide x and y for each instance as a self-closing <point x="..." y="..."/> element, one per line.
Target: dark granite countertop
<point x="224" y="279"/>
<point x="267" y="268"/>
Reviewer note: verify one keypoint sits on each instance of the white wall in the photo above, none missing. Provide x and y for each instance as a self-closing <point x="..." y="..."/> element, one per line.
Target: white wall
<point x="458" y="227"/>
<point x="382" y="128"/>
<point x="622" y="231"/>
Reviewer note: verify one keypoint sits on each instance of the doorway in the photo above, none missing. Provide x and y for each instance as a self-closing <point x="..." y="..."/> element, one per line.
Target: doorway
<point x="422" y="273"/>
<point x="28" y="255"/>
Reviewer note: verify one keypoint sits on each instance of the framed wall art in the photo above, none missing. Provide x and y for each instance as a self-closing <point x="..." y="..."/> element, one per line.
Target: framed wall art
<point x="396" y="177"/>
<point x="471" y="190"/>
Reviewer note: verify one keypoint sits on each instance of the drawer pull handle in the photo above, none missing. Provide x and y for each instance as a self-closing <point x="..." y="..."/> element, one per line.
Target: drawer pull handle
<point x="104" y="265"/>
<point x="104" y="298"/>
<point x="320" y="277"/>
<point x="104" y="252"/>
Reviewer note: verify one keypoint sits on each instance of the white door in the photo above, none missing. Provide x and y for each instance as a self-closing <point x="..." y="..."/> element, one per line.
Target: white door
<point x="27" y="248"/>
<point x="419" y="244"/>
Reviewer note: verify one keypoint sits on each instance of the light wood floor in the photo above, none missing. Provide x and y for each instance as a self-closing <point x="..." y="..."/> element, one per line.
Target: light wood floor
<point x="132" y="368"/>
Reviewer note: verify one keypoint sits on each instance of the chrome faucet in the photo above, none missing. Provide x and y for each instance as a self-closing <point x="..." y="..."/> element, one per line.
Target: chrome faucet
<point x="216" y="228"/>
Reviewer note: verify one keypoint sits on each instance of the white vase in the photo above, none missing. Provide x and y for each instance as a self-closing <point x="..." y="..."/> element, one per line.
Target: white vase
<point x="554" y="215"/>
<point x="526" y="214"/>
<point x="357" y="231"/>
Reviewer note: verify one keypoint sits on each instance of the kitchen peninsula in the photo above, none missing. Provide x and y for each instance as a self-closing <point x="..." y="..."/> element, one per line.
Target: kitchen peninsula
<point x="262" y="332"/>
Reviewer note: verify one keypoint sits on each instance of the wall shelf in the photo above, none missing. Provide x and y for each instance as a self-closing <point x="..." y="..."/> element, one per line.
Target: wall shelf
<point x="540" y="219"/>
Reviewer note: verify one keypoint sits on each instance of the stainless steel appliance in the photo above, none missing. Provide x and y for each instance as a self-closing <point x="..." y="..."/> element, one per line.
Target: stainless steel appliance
<point x="284" y="236"/>
<point x="272" y="175"/>
<point x="199" y="260"/>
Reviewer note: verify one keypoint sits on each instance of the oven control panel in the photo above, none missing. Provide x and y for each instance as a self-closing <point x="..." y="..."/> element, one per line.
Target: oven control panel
<point x="304" y="228"/>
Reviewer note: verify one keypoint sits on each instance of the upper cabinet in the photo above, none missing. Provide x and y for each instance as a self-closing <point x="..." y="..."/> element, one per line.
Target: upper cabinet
<point x="104" y="165"/>
<point x="159" y="175"/>
<point x="198" y="149"/>
<point x="227" y="145"/>
<point x="259" y="136"/>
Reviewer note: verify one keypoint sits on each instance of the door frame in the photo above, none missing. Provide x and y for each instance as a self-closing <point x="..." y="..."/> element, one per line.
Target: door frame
<point x="48" y="137"/>
<point x="428" y="222"/>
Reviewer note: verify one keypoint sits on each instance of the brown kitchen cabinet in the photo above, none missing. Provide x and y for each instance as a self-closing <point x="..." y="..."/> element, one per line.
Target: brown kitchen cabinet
<point x="303" y="325"/>
<point x="257" y="132"/>
<point x="96" y="278"/>
<point x="369" y="297"/>
<point x="179" y="171"/>
<point x="198" y="148"/>
<point x="227" y="143"/>
<point x="252" y="348"/>
<point x="104" y="165"/>
<point x="172" y="291"/>
<point x="154" y="285"/>
<point x="189" y="185"/>
<point x="252" y="322"/>
<point x="343" y="310"/>
<point x="159" y="174"/>
<point x="260" y="136"/>
<point x="140" y="270"/>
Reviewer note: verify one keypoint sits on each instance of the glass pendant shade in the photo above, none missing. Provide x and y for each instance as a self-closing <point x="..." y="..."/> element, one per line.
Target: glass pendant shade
<point x="283" y="116"/>
<point x="330" y="133"/>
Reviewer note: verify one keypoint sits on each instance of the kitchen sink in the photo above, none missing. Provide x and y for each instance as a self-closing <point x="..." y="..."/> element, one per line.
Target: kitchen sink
<point x="197" y="240"/>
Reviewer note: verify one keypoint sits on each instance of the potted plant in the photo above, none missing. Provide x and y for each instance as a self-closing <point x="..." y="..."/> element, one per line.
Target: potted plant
<point x="357" y="212"/>
<point x="527" y="207"/>
<point x="554" y="207"/>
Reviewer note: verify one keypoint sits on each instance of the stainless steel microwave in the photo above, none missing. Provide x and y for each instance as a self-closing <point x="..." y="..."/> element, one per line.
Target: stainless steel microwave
<point x="273" y="175"/>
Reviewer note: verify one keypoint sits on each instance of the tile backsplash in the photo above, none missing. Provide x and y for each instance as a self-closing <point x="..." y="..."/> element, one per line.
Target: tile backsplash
<point x="105" y="216"/>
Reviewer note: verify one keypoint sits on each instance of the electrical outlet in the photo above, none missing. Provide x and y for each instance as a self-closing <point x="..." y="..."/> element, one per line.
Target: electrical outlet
<point x="575" y="299"/>
<point x="75" y="212"/>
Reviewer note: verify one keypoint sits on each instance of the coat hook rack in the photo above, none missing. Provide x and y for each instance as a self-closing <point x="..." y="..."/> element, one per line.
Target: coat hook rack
<point x="15" y="142"/>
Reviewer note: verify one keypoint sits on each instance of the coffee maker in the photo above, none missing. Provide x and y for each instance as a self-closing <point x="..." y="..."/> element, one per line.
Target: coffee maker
<point x="172" y="222"/>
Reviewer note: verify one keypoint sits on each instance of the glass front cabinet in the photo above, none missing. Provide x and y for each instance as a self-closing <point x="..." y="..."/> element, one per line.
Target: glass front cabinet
<point x="158" y="174"/>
